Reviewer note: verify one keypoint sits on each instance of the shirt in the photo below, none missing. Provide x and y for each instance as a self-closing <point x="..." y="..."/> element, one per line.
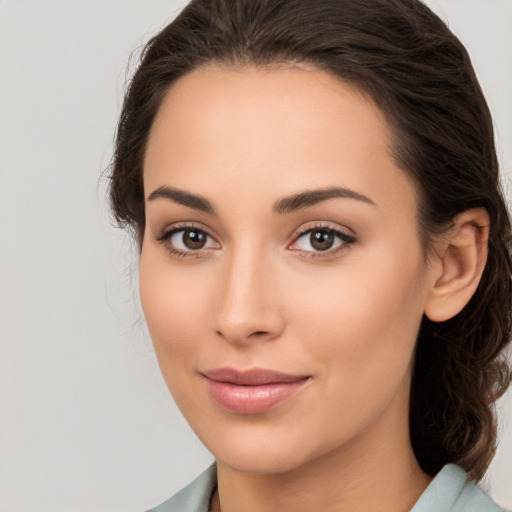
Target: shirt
<point x="449" y="491"/>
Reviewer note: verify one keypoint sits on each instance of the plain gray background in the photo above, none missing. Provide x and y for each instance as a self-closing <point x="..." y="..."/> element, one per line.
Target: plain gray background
<point x="86" y="422"/>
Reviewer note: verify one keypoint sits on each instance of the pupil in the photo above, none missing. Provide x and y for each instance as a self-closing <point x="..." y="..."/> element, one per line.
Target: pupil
<point x="321" y="240"/>
<point x="194" y="239"/>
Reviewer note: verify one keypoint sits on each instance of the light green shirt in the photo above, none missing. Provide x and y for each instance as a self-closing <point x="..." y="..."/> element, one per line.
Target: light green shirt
<point x="450" y="491"/>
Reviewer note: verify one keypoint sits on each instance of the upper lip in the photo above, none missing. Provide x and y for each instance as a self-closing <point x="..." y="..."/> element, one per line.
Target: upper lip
<point x="251" y="377"/>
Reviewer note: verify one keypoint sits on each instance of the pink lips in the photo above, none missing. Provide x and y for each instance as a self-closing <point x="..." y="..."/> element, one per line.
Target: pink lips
<point x="252" y="391"/>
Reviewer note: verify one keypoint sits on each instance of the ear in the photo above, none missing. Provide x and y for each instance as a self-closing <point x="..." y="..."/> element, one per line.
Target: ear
<point x="459" y="260"/>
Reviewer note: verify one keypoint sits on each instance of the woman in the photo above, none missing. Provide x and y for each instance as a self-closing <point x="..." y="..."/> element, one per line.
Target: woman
<point x="325" y="252"/>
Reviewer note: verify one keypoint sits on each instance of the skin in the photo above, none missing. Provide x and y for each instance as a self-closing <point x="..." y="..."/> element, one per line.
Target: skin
<point x="260" y="295"/>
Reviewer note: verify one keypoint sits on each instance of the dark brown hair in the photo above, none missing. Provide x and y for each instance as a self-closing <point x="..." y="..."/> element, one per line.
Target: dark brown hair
<point x="406" y="59"/>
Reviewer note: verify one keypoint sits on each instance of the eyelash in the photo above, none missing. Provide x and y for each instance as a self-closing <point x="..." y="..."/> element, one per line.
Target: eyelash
<point x="177" y="228"/>
<point x="345" y="239"/>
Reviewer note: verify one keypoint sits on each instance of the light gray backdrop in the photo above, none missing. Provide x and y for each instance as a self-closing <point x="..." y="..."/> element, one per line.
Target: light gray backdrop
<point x="86" y="422"/>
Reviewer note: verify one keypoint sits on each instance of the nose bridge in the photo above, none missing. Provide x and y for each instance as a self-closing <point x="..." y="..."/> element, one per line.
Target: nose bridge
<point x="246" y="307"/>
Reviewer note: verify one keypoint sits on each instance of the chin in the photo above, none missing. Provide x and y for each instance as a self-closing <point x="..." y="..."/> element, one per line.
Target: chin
<point x="263" y="462"/>
<point x="259" y="450"/>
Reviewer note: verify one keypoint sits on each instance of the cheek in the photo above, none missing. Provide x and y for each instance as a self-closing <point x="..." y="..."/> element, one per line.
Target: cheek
<point x="364" y="317"/>
<point x="174" y="307"/>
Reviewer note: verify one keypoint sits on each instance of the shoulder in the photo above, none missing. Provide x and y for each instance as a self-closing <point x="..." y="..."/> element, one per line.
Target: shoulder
<point x="451" y="491"/>
<point x="195" y="497"/>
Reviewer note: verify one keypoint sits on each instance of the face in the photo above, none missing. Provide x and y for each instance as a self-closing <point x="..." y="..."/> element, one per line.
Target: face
<point x="281" y="275"/>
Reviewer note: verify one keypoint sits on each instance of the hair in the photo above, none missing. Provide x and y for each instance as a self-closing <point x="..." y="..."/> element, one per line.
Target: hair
<point x="401" y="55"/>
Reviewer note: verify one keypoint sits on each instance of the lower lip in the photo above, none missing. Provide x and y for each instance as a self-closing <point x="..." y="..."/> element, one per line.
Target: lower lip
<point x="252" y="399"/>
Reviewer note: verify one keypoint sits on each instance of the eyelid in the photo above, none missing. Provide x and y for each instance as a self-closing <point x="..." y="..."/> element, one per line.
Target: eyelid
<point x="341" y="232"/>
<point x="182" y="226"/>
<point x="327" y="225"/>
<point x="167" y="233"/>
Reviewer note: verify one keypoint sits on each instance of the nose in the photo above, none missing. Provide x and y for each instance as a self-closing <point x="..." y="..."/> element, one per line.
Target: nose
<point x="246" y="308"/>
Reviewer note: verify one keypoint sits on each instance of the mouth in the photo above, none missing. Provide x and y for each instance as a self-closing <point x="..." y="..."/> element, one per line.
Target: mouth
<point x="251" y="391"/>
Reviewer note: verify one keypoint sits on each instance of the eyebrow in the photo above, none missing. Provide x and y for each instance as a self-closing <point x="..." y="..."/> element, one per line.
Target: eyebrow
<point x="311" y="197"/>
<point x="286" y="205"/>
<point x="184" y="198"/>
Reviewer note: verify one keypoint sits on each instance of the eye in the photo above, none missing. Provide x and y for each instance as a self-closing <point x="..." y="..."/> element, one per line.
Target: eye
<point x="187" y="241"/>
<point x="322" y="239"/>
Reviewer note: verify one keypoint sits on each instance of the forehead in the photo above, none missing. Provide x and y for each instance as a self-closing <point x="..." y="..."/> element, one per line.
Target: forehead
<point x="217" y="104"/>
<point x="280" y="128"/>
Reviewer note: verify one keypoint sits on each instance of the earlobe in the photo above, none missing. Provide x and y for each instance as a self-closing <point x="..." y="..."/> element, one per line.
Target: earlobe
<point x="461" y="255"/>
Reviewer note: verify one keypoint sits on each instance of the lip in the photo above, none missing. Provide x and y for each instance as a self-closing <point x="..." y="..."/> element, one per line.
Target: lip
<point x="251" y="391"/>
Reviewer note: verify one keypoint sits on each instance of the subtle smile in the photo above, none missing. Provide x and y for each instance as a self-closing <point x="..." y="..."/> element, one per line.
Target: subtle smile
<point x="253" y="391"/>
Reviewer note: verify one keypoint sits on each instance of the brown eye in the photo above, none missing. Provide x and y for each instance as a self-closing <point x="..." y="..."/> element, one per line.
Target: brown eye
<point x="321" y="240"/>
<point x="187" y="241"/>
<point x="194" y="239"/>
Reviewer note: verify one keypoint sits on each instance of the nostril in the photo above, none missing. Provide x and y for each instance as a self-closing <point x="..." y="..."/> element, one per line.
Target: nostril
<point x="240" y="337"/>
